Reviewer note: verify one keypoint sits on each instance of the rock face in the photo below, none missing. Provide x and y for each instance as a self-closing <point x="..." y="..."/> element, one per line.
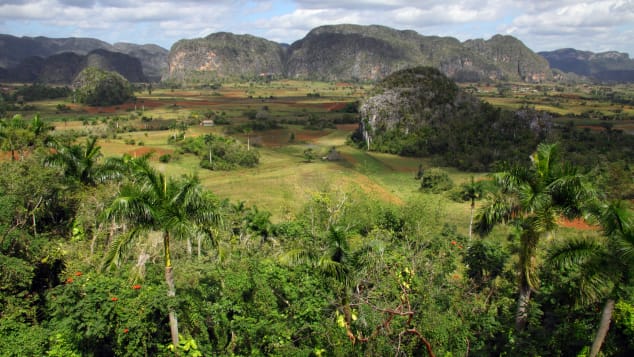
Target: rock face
<point x="512" y="57"/>
<point x="63" y="68"/>
<point x="345" y="52"/>
<point x="353" y="52"/>
<point x="153" y="58"/>
<point x="409" y="100"/>
<point x="421" y="112"/>
<point x="222" y="55"/>
<point x="605" y="66"/>
<point x="17" y="57"/>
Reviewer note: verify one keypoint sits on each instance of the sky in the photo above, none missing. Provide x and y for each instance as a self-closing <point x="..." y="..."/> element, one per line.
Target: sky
<point x="543" y="25"/>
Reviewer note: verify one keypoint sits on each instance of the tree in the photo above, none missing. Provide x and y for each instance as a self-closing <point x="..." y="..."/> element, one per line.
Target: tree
<point x="532" y="199"/>
<point x="605" y="264"/>
<point x="15" y="135"/>
<point x="309" y="155"/>
<point x="336" y="261"/>
<point x="179" y="209"/>
<point x="471" y="191"/>
<point x="247" y="131"/>
<point x="81" y="162"/>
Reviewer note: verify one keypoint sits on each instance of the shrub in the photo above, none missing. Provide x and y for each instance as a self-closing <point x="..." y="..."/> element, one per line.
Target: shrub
<point x="435" y="180"/>
<point x="165" y="158"/>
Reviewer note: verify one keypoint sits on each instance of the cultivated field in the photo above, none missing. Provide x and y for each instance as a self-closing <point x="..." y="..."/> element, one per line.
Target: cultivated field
<point x="283" y="181"/>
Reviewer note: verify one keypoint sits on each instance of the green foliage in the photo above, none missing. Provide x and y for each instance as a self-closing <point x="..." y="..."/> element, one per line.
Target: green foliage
<point x="421" y="112"/>
<point x="485" y="261"/>
<point x="39" y="91"/>
<point x="100" y="88"/>
<point x="624" y="319"/>
<point x="309" y="155"/>
<point x="100" y="314"/>
<point x="220" y="153"/>
<point x="435" y="180"/>
<point x="165" y="158"/>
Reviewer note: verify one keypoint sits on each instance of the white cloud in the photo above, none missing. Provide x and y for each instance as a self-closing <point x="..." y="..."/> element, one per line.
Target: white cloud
<point x="543" y="24"/>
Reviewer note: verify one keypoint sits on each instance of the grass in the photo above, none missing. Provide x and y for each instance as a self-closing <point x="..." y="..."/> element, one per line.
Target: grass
<point x="283" y="182"/>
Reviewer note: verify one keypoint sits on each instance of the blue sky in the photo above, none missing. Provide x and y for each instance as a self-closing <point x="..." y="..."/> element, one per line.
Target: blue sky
<point x="597" y="26"/>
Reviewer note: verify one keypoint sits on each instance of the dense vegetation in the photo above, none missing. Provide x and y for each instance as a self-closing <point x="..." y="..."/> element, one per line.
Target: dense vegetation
<point x="220" y="153"/>
<point x="421" y="112"/>
<point x="99" y="88"/>
<point x="121" y="254"/>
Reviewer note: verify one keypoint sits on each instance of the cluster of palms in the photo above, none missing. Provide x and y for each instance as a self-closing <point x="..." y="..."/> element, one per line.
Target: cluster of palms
<point x="17" y="134"/>
<point x="532" y="199"/>
<point x="147" y="201"/>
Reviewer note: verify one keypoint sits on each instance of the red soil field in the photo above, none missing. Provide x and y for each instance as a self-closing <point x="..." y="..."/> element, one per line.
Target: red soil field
<point x="156" y="153"/>
<point x="578" y="224"/>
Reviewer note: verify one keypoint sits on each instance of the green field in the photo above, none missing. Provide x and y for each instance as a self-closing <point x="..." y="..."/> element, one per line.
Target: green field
<point x="283" y="181"/>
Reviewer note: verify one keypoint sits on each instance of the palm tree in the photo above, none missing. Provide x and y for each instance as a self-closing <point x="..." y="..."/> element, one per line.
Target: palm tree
<point x="606" y="265"/>
<point x="471" y="191"/>
<point x="15" y="134"/>
<point x="533" y="199"/>
<point x="150" y="201"/>
<point x="80" y="162"/>
<point x="247" y="130"/>
<point x="337" y="262"/>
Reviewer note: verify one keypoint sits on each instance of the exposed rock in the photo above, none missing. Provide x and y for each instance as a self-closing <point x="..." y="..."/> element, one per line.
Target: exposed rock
<point x="224" y="55"/>
<point x="153" y="58"/>
<point x="344" y="52"/>
<point x="606" y="66"/>
<point x="512" y="57"/>
<point x="353" y="52"/>
<point x="421" y="112"/>
<point x="62" y="68"/>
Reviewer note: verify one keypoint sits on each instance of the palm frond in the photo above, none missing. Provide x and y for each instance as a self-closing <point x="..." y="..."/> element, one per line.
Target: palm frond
<point x="133" y="206"/>
<point x="296" y="257"/>
<point x="593" y="263"/>
<point x="335" y="270"/>
<point x="119" y="248"/>
<point x="497" y="209"/>
<point x="575" y="252"/>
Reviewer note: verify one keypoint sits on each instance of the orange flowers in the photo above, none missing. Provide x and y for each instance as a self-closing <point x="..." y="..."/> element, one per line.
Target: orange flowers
<point x="114" y="298"/>
<point x="78" y="273"/>
<point x="453" y="242"/>
<point x="136" y="286"/>
<point x="125" y="330"/>
<point x="69" y="281"/>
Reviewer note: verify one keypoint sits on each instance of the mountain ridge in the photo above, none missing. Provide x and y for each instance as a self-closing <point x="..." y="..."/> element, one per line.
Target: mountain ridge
<point x="331" y="52"/>
<point x="358" y="52"/>
<point x="609" y="66"/>
<point x="15" y="50"/>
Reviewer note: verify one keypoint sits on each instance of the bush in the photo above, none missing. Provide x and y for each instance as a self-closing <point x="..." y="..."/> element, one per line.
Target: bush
<point x="165" y="158"/>
<point x="435" y="180"/>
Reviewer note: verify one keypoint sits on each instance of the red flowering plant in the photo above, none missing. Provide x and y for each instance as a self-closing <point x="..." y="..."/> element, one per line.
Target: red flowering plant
<point x="98" y="306"/>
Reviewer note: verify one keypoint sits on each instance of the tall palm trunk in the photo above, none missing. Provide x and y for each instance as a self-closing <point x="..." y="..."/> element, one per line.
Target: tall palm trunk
<point x="521" y="316"/>
<point x="528" y="250"/>
<point x="171" y="290"/>
<point x="606" y="317"/>
<point x="471" y="218"/>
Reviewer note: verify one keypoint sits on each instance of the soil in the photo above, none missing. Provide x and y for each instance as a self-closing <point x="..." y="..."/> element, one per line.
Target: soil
<point x="145" y="150"/>
<point x="578" y="224"/>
